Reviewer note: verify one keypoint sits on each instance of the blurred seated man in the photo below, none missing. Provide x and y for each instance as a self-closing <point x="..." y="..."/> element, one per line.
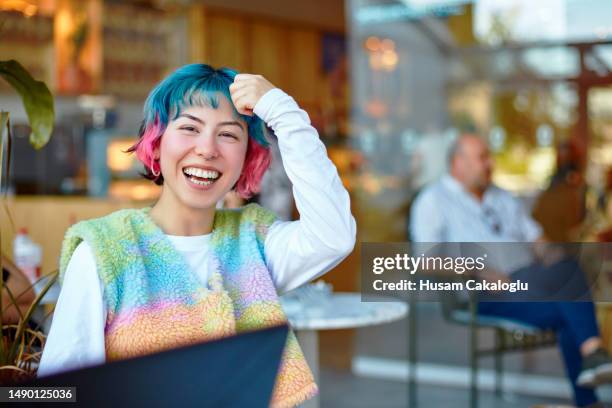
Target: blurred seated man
<point x="21" y="289"/>
<point x="464" y="206"/>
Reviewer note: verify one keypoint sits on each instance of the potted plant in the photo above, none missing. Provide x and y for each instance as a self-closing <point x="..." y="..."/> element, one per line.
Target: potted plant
<point x="21" y="343"/>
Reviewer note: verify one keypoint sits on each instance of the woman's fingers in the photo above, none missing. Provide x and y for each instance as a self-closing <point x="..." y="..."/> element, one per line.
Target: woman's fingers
<point x="246" y="91"/>
<point x="237" y="90"/>
<point x="243" y="100"/>
<point x="244" y="107"/>
<point x="247" y="78"/>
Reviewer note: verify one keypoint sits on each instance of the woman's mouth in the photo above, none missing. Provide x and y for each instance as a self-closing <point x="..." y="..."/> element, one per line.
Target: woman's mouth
<point x="200" y="178"/>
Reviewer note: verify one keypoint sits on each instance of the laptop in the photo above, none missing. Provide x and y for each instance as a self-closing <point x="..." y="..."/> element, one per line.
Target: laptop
<point x="237" y="371"/>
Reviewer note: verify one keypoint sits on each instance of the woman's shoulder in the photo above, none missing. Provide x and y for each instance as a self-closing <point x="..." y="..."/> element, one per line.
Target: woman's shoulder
<point x="110" y="224"/>
<point x="113" y="217"/>
<point x="95" y="235"/>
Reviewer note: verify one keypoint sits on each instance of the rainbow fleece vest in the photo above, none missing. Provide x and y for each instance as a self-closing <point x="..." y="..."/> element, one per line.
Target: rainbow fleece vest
<point x="154" y="302"/>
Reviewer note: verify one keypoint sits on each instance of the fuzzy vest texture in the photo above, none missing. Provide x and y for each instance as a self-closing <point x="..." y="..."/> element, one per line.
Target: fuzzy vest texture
<point x="155" y="302"/>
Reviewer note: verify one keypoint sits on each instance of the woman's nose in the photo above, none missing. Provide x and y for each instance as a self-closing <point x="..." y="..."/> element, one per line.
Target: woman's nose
<point x="206" y="147"/>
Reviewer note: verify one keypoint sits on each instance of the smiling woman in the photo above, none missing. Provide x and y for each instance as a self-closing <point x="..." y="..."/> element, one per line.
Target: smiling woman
<point x="192" y="111"/>
<point x="143" y="280"/>
<point x="201" y="152"/>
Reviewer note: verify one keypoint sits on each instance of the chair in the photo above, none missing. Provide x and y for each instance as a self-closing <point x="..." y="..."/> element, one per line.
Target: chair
<point x="510" y="336"/>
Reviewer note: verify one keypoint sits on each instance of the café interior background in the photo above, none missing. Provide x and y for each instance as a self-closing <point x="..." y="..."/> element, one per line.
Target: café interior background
<point x="388" y="85"/>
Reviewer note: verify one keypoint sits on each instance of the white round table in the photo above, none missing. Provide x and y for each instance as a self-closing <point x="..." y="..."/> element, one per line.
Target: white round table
<point x="337" y="311"/>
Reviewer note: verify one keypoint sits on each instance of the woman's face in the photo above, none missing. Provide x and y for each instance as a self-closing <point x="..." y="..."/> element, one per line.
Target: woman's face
<point x="202" y="153"/>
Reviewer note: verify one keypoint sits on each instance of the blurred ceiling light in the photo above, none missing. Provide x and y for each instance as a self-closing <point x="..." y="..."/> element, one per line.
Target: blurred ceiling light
<point x="383" y="56"/>
<point x="389" y="60"/>
<point x="372" y="44"/>
<point x="387" y="44"/>
<point x="27" y="8"/>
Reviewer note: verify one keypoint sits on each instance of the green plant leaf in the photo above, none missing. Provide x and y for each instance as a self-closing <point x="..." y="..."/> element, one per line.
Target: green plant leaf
<point x="4" y="127"/>
<point x="6" y="139"/>
<point x="23" y="323"/>
<point x="37" y="101"/>
<point x="4" y="118"/>
<point x="4" y="123"/>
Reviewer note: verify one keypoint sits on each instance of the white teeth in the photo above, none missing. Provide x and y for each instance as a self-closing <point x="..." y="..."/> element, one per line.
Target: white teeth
<point x="200" y="182"/>
<point x="208" y="174"/>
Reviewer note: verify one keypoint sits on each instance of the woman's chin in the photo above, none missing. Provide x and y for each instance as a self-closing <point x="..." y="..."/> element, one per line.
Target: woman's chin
<point x="201" y="203"/>
<point x="204" y="199"/>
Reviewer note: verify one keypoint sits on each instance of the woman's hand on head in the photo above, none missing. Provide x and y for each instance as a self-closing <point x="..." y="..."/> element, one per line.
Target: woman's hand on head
<point x="247" y="90"/>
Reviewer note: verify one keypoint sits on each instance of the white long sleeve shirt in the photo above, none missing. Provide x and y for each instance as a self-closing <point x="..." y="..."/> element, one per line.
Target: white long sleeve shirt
<point x="296" y="252"/>
<point x="446" y="212"/>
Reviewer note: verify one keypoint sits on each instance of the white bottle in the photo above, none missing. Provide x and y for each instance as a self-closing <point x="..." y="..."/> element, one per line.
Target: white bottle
<point x="27" y="255"/>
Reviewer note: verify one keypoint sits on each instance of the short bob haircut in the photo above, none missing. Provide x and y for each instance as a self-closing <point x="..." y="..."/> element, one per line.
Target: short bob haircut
<point x="198" y="85"/>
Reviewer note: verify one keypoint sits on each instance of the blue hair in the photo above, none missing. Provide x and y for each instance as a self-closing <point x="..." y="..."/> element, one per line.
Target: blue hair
<point x="195" y="85"/>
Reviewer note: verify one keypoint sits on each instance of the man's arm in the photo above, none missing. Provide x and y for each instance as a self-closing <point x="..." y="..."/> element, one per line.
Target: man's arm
<point x="427" y="223"/>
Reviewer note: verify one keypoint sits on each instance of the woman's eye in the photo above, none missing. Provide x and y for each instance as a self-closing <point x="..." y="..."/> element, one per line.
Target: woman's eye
<point x="230" y="135"/>
<point x="189" y="128"/>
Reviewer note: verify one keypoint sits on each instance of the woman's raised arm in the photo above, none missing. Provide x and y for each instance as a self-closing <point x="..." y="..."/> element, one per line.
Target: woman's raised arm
<point x="300" y="251"/>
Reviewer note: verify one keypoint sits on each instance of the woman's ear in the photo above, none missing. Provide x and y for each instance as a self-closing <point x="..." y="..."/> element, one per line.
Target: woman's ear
<point x="156" y="153"/>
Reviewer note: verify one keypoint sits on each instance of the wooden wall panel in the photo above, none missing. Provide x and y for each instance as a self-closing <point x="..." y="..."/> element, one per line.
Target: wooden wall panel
<point x="289" y="56"/>
<point x="196" y="19"/>
<point x="227" y="42"/>
<point x="268" y="46"/>
<point x="303" y="58"/>
<point x="47" y="218"/>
